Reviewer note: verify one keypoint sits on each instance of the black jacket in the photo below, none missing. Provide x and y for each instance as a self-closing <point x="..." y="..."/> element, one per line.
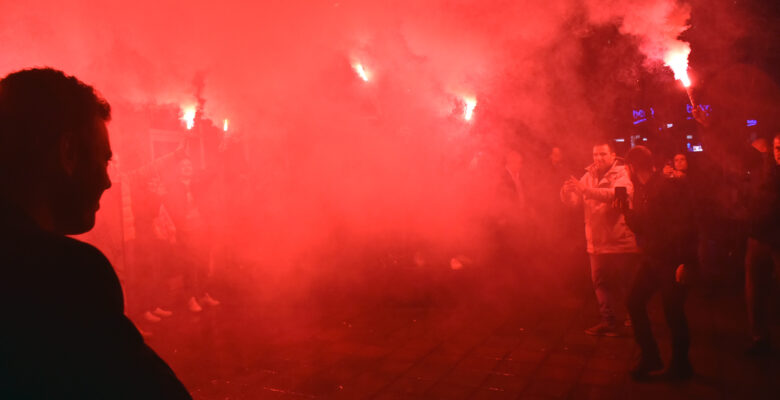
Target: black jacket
<point x="663" y="217"/>
<point x="64" y="334"/>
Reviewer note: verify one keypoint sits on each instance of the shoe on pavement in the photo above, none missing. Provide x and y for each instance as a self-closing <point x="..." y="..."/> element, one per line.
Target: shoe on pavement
<point x="209" y="301"/>
<point x="645" y="366"/>
<point x="603" y="329"/>
<point x="678" y="371"/>
<point x="194" y="306"/>
<point x="161" y="312"/>
<point x="151" y="317"/>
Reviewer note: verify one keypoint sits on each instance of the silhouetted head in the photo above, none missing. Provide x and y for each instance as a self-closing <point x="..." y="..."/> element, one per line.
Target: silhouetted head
<point x="54" y="148"/>
<point x="603" y="155"/>
<point x="640" y="163"/>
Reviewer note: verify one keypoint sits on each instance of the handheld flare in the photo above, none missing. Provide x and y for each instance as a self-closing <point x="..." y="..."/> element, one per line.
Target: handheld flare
<point x="678" y="61"/>
<point x="188" y="116"/>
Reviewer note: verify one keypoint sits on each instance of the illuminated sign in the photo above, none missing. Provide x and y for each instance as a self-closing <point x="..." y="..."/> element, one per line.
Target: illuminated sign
<point x="705" y="107"/>
<point x="752" y="122"/>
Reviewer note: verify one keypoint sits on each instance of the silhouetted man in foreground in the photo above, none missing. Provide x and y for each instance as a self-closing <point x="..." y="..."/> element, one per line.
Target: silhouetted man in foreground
<point x="662" y="217"/>
<point x="64" y="332"/>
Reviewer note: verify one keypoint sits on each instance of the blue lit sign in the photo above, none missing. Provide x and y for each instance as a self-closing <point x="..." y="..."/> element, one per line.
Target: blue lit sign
<point x="705" y="107"/>
<point x="752" y="122"/>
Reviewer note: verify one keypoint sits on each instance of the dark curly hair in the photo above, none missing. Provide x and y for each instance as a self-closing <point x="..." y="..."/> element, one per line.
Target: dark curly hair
<point x="37" y="107"/>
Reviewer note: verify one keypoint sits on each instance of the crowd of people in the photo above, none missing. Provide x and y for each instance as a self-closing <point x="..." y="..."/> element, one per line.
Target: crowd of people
<point x="648" y="229"/>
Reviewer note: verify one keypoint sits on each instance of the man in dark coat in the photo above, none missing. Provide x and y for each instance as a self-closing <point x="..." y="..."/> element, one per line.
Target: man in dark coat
<point x="763" y="249"/>
<point x="65" y="334"/>
<point x="662" y="217"/>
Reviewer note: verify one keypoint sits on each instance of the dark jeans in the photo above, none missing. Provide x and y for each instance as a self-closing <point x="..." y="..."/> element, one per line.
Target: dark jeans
<point x="654" y="276"/>
<point x="760" y="258"/>
<point x="611" y="275"/>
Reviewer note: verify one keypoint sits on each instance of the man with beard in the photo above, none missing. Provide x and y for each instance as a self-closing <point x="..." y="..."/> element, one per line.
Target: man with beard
<point x="611" y="245"/>
<point x="65" y="333"/>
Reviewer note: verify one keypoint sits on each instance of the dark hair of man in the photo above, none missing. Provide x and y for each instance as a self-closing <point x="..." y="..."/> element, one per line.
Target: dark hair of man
<point x="38" y="107"/>
<point x="607" y="143"/>
<point x="641" y="158"/>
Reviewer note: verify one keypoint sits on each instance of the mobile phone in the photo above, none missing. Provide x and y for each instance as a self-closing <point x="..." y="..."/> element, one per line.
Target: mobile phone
<point x="621" y="197"/>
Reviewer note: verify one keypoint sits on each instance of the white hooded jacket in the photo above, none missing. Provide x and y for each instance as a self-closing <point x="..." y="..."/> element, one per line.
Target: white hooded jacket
<point x="606" y="231"/>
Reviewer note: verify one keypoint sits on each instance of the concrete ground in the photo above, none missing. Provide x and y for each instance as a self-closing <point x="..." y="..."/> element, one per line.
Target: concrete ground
<point x="467" y="334"/>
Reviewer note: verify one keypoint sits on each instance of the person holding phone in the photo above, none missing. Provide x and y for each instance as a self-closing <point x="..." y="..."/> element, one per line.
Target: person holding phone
<point x="662" y="217"/>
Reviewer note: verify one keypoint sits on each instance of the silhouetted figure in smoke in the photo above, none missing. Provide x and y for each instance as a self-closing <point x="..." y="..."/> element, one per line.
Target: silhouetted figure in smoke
<point x="192" y="244"/>
<point x="65" y="334"/>
<point x="611" y="245"/>
<point x="763" y="249"/>
<point x="663" y="219"/>
<point x="515" y="178"/>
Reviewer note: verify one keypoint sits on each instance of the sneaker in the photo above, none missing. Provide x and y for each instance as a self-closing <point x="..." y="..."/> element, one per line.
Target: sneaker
<point x="161" y="312"/>
<point x="603" y="329"/>
<point x="678" y="371"/>
<point x="645" y="366"/>
<point x="194" y="306"/>
<point x="151" y="317"/>
<point x="209" y="301"/>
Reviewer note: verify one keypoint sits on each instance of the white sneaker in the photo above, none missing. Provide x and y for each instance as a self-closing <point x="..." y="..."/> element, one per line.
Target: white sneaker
<point x="194" y="306"/>
<point x="161" y="312"/>
<point x="151" y="317"/>
<point x="209" y="301"/>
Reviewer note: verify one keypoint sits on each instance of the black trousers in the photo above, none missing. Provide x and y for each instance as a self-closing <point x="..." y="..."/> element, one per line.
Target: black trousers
<point x="657" y="276"/>
<point x="760" y="260"/>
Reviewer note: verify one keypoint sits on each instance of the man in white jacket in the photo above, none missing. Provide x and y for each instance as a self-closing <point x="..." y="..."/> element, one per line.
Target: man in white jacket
<point x="611" y="244"/>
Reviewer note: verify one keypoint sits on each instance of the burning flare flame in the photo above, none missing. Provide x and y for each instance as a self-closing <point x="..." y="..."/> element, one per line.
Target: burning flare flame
<point x="468" y="109"/>
<point x="678" y="62"/>
<point x="360" y="71"/>
<point x="188" y="116"/>
<point x="225" y="125"/>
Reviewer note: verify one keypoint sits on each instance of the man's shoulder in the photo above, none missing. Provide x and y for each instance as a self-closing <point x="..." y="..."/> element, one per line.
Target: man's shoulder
<point x="43" y="246"/>
<point x="53" y="261"/>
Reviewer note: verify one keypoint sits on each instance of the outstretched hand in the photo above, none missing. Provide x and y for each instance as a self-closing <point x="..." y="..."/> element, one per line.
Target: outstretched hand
<point x="574" y="185"/>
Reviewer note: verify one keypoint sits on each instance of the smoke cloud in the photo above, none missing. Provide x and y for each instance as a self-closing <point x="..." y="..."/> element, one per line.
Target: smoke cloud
<point x="333" y="156"/>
